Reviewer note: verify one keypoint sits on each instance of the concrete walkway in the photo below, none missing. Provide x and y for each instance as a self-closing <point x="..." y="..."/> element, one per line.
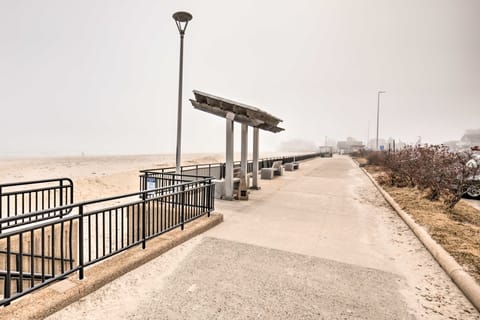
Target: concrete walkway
<point x="316" y="243"/>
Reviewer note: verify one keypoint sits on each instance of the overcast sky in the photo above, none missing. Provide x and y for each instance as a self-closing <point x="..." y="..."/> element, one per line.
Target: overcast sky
<point x="101" y="77"/>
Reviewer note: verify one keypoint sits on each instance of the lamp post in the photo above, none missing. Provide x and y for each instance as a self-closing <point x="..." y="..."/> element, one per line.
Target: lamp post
<point x="181" y="19"/>
<point x="378" y="112"/>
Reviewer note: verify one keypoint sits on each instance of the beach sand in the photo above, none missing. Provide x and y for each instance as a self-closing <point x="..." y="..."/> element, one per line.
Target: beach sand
<point x="97" y="177"/>
<point x="94" y="176"/>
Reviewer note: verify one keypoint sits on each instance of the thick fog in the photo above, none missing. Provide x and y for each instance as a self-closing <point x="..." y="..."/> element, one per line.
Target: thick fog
<point x="101" y="77"/>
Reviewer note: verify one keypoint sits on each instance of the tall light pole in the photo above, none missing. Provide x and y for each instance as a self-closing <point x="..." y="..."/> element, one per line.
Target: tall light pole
<point x="181" y="19"/>
<point x="378" y="112"/>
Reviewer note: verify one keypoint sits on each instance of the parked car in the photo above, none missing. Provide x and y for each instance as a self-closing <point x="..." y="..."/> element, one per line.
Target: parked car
<point x="473" y="190"/>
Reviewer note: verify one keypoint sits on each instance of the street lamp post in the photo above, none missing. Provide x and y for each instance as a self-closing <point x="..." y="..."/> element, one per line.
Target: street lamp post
<point x="181" y="19"/>
<point x="378" y="112"/>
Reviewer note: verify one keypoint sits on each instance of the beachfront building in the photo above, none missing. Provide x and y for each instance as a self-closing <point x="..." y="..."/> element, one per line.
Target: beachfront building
<point x="350" y="145"/>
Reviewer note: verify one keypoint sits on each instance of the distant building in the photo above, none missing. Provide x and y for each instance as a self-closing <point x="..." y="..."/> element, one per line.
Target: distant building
<point x="469" y="140"/>
<point x="350" y="145"/>
<point x="453" y="145"/>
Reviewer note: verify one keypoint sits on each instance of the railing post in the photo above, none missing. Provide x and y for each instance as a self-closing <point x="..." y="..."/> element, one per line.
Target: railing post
<point x="144" y="181"/>
<point x="61" y="197"/>
<point x="209" y="194"/>
<point x="1" y="198"/>
<point x="144" y="224"/>
<point x="18" y="261"/>
<point x="144" y="209"/>
<point x="182" y="202"/>
<point x="72" y="200"/>
<point x="80" y="242"/>
<point x="8" y="279"/>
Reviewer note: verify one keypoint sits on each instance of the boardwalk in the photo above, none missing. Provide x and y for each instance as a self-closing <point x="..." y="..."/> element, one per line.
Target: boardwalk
<point x="316" y="243"/>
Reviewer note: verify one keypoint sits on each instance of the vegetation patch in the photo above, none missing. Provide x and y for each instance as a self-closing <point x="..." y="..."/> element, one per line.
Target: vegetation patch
<point x="456" y="229"/>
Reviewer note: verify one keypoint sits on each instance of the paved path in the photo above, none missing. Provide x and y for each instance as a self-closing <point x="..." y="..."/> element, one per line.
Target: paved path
<point x="316" y="243"/>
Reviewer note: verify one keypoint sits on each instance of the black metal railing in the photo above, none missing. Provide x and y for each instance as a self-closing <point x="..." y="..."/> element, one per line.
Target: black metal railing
<point x="217" y="170"/>
<point x="22" y="198"/>
<point x="154" y="180"/>
<point x="36" y="254"/>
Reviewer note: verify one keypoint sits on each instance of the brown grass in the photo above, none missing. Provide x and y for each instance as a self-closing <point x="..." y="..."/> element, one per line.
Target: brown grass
<point x="361" y="161"/>
<point x="457" y="230"/>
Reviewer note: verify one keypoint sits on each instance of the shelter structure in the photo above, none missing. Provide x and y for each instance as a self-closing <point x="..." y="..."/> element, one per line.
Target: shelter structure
<point x="248" y="116"/>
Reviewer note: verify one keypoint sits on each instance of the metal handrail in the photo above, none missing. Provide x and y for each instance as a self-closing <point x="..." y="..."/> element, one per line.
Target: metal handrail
<point x="101" y="233"/>
<point x="13" y="184"/>
<point x="264" y="162"/>
<point x="19" y="199"/>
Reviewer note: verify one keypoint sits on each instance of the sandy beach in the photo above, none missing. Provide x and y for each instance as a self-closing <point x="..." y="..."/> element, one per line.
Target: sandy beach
<point x="93" y="176"/>
<point x="99" y="176"/>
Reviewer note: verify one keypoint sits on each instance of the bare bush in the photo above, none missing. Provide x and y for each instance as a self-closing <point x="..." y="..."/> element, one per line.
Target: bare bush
<point x="458" y="177"/>
<point x="375" y="158"/>
<point x="431" y="168"/>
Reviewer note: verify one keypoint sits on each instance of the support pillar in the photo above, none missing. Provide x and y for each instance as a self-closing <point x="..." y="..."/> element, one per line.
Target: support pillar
<point x="243" y="192"/>
<point x="229" y="157"/>
<point x="243" y="165"/>
<point x="255" y="159"/>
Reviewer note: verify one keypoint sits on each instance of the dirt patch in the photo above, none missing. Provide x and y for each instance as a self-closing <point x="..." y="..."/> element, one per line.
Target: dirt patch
<point x="457" y="230"/>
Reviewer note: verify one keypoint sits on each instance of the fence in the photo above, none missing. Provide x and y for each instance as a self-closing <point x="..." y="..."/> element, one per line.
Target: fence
<point x="217" y="170"/>
<point x="44" y="236"/>
<point x="19" y="199"/>
<point x="54" y="246"/>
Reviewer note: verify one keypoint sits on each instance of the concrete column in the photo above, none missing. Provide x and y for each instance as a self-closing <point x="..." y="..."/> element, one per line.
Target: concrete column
<point x="255" y="159"/>
<point x="244" y="159"/>
<point x="229" y="157"/>
<point x="243" y="187"/>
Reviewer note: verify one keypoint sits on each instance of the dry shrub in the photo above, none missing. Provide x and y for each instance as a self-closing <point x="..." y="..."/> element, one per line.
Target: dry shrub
<point x="375" y="158"/>
<point x="433" y="169"/>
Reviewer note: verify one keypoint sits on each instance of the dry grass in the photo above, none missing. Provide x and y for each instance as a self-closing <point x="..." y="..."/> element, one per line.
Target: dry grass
<point x="361" y="161"/>
<point x="457" y="230"/>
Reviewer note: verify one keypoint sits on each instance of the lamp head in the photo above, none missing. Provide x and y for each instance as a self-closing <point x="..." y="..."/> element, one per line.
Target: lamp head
<point x="181" y="19"/>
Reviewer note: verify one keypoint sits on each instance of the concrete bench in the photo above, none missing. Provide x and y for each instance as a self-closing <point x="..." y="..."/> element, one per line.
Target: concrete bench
<point x="292" y="166"/>
<point x="220" y="184"/>
<point x="237" y="177"/>
<point x="275" y="170"/>
<point x="220" y="187"/>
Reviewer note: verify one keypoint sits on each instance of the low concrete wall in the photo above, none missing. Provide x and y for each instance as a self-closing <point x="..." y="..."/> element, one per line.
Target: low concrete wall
<point x="47" y="301"/>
